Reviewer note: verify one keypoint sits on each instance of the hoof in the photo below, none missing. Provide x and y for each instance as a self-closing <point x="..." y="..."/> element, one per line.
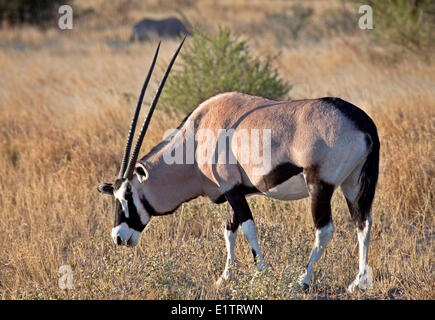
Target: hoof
<point x="351" y="288"/>
<point x="301" y="287"/>
<point x="363" y="281"/>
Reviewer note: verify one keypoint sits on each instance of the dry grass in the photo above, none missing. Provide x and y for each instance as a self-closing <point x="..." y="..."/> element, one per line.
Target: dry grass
<point x="65" y="103"/>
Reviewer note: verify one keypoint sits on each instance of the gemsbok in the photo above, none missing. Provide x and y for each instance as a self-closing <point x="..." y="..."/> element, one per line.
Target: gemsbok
<point x="311" y="148"/>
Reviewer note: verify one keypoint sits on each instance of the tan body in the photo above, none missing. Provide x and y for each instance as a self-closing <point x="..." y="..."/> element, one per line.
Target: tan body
<point x="306" y="133"/>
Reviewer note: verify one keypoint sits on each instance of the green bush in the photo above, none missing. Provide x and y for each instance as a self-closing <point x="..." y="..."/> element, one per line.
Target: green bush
<point x="40" y="12"/>
<point x="220" y="63"/>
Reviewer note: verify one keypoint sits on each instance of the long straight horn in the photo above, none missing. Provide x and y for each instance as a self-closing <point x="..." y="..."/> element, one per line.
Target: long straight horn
<point x="135" y="117"/>
<point x="143" y="130"/>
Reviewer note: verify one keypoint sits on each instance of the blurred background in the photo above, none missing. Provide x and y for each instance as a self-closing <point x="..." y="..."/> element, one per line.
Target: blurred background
<point x="66" y="98"/>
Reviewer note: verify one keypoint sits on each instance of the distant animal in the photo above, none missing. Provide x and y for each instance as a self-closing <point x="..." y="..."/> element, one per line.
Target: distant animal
<point x="316" y="146"/>
<point x="169" y="27"/>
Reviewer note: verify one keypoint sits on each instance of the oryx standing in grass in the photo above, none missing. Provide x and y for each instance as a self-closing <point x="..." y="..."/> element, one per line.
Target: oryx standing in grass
<point x="312" y="147"/>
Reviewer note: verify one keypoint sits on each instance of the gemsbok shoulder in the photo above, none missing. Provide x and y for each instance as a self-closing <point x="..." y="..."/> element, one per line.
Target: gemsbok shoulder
<point x="234" y="145"/>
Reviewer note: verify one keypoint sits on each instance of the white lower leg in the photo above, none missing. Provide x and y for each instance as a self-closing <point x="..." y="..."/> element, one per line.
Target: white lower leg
<point x="323" y="235"/>
<point x="230" y="240"/>
<point x="250" y="231"/>
<point x="364" y="278"/>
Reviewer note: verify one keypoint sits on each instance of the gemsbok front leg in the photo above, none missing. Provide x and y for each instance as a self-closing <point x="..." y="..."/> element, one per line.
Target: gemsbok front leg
<point x="242" y="217"/>
<point x="320" y="193"/>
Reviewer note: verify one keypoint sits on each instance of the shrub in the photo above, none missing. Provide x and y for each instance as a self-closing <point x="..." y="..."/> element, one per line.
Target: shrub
<point x="219" y="63"/>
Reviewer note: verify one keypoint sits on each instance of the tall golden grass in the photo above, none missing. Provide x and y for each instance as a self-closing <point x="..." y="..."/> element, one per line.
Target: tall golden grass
<point x="65" y="102"/>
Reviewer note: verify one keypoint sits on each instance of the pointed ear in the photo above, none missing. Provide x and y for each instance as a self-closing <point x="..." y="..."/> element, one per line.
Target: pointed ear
<point x="141" y="172"/>
<point x="106" y="188"/>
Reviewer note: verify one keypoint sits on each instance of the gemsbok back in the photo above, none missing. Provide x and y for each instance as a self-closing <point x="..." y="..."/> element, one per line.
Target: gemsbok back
<point x="234" y="145"/>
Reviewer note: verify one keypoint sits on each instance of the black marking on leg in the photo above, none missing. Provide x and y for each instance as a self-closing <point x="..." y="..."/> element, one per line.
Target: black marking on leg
<point x="241" y="213"/>
<point x="255" y="255"/>
<point x="360" y="207"/>
<point x="232" y="222"/>
<point x="240" y="206"/>
<point x="358" y="216"/>
<point x="321" y="193"/>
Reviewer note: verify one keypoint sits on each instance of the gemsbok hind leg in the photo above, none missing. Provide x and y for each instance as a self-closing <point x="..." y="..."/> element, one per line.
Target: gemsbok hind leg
<point x="359" y="207"/>
<point x="320" y="194"/>
<point x="242" y="216"/>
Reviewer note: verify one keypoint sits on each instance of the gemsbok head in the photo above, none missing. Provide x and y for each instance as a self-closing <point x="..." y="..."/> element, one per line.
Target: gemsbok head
<point x="234" y="145"/>
<point x="130" y="215"/>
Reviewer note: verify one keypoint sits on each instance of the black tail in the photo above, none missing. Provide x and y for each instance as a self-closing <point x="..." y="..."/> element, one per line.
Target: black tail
<point x="369" y="177"/>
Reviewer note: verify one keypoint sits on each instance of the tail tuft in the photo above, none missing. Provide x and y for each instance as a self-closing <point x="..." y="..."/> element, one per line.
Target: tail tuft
<point x="369" y="177"/>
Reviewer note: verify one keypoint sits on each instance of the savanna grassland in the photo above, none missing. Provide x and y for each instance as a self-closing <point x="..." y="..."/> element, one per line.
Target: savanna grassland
<point x="66" y="98"/>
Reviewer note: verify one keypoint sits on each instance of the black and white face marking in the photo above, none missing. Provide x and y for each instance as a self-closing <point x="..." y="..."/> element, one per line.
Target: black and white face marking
<point x="130" y="215"/>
